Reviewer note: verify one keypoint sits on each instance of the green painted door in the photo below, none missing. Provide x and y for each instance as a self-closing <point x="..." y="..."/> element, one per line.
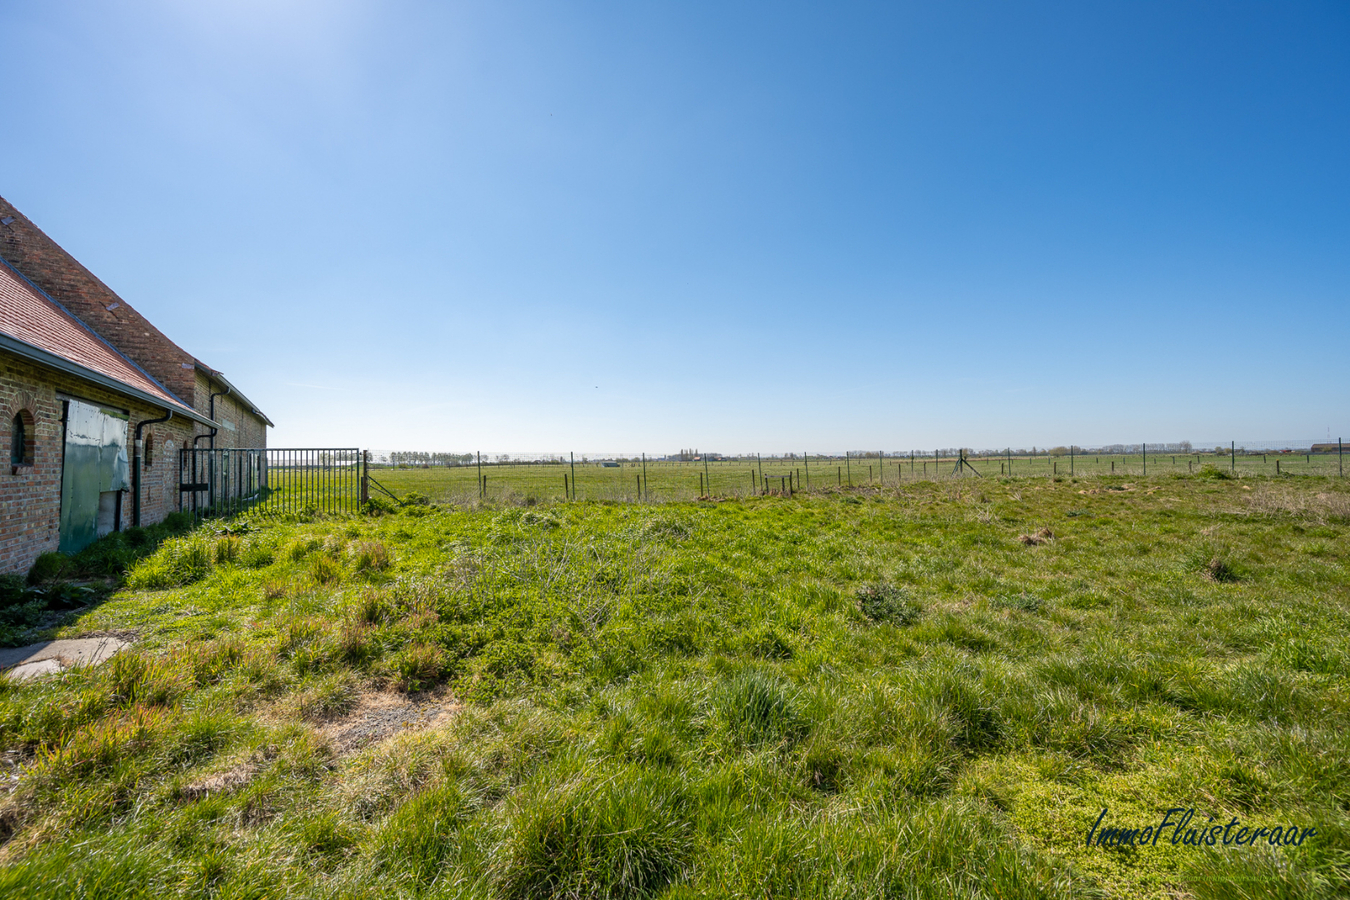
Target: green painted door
<point x="95" y="463"/>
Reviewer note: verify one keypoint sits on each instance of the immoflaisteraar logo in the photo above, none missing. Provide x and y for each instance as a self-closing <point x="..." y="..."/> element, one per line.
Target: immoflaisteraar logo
<point x="1178" y="821"/>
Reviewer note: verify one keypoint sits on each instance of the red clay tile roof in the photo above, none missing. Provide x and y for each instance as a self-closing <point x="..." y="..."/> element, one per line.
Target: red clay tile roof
<point x="29" y="316"/>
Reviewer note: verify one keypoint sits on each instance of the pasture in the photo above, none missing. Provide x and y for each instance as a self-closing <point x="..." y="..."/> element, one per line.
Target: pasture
<point x="922" y="689"/>
<point x="666" y="480"/>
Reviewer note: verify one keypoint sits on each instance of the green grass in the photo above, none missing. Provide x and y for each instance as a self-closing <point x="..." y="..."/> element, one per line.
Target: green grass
<point x="678" y="481"/>
<point x="882" y="692"/>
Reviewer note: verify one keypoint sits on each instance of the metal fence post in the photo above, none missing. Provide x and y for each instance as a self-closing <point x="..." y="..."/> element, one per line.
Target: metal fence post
<point x="365" y="477"/>
<point x="1232" y="450"/>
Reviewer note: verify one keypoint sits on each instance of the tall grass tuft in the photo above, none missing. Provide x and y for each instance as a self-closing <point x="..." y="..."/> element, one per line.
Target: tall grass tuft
<point x="625" y="834"/>
<point x="881" y="602"/>
<point x="369" y="556"/>
<point x="760" y="709"/>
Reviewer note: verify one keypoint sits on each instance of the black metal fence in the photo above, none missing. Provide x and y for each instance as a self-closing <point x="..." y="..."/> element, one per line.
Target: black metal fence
<point x="273" y="481"/>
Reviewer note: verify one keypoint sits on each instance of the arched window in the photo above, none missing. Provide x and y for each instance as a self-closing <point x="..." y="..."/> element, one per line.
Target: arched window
<point x="21" y="439"/>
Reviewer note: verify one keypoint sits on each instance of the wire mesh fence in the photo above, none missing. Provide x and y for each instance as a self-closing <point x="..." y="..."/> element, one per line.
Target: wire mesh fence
<point x="690" y="474"/>
<point x="302" y="481"/>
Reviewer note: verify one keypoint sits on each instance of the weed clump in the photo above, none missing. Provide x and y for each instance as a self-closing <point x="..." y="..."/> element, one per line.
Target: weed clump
<point x="1218" y="569"/>
<point x="882" y="602"/>
<point x="177" y="562"/>
<point x="417" y="666"/>
<point x="228" y="550"/>
<point x="1045" y="535"/>
<point x="49" y="567"/>
<point x="1024" y="601"/>
<point x="324" y="569"/>
<point x="369" y="556"/>
<point x="1208" y="470"/>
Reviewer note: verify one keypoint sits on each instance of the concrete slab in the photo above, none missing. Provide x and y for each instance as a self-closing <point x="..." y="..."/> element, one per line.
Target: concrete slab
<point x="49" y="657"/>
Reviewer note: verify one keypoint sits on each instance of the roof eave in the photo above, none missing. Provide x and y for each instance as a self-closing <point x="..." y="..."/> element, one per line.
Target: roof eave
<point x="215" y="375"/>
<point x="25" y="350"/>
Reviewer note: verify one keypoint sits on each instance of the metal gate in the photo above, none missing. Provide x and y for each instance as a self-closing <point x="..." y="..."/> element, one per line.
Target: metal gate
<point x="274" y="481"/>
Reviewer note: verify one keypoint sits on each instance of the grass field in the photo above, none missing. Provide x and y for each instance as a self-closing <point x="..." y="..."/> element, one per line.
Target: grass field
<point x="660" y="481"/>
<point x="927" y="689"/>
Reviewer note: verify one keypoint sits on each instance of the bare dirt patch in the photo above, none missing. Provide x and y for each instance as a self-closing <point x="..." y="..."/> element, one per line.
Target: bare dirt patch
<point x="220" y="782"/>
<point x="379" y="715"/>
<point x="1110" y="489"/>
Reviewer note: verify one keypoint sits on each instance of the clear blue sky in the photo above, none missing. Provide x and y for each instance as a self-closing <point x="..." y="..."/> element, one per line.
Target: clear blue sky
<point x="553" y="226"/>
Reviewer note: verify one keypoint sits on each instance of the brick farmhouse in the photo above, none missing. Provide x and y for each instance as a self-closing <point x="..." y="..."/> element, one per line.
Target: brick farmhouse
<point x="95" y="402"/>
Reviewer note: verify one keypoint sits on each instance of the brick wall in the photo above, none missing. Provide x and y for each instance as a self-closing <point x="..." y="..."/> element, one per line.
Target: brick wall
<point x="239" y="427"/>
<point x="54" y="270"/>
<point x="30" y="513"/>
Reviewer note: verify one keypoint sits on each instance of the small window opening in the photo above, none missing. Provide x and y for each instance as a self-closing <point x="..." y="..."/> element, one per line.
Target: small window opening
<point x="148" y="453"/>
<point x="21" y="440"/>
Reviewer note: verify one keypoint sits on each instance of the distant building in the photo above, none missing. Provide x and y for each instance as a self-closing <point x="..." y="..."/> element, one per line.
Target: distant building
<point x="88" y="387"/>
<point x="1325" y="448"/>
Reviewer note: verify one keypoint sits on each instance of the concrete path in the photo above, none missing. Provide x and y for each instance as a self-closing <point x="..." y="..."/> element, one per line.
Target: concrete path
<point x="51" y="657"/>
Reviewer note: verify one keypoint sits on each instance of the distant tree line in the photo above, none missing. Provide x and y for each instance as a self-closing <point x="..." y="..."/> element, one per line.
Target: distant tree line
<point x="419" y="458"/>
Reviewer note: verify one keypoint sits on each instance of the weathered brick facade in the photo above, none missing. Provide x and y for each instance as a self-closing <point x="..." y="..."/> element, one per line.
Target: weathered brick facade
<point x="239" y="426"/>
<point x="30" y="511"/>
<point x="33" y="385"/>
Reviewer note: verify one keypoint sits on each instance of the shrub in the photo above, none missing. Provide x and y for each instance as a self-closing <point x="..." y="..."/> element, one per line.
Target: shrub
<point x="882" y="602"/>
<point x="379" y="506"/>
<point x="49" y="567"/>
<point x="1209" y="470"/>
